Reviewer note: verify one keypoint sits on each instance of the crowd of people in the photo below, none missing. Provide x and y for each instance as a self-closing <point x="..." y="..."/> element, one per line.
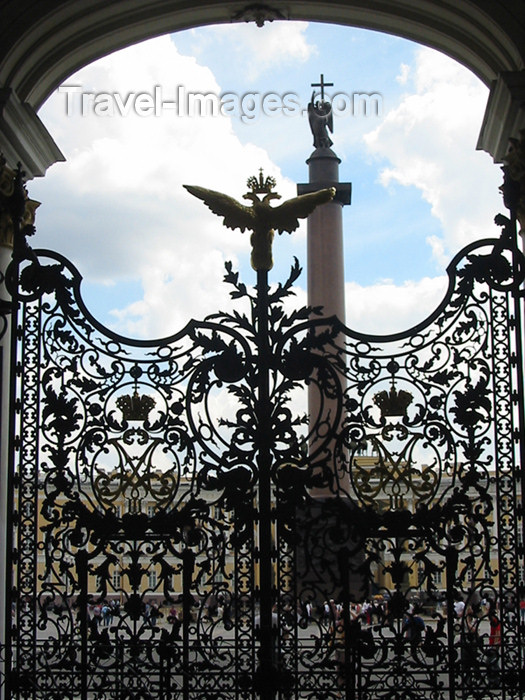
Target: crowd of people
<point x="103" y="613"/>
<point x="477" y="626"/>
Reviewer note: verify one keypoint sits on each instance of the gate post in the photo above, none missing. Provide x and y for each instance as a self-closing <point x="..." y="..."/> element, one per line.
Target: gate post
<point x="5" y="366"/>
<point x="267" y="672"/>
<point x="17" y="214"/>
<point x="8" y="222"/>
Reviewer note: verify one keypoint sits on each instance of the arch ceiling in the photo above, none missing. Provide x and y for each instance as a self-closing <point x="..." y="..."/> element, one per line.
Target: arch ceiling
<point x="45" y="42"/>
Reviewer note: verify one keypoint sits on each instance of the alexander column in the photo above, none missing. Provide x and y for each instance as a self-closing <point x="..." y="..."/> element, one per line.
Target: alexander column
<point x="325" y="261"/>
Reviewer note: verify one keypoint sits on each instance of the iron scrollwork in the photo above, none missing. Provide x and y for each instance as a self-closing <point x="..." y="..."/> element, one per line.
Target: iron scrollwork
<point x="266" y="503"/>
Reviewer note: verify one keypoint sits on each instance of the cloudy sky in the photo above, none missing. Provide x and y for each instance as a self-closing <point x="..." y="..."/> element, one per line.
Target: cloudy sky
<point x="152" y="256"/>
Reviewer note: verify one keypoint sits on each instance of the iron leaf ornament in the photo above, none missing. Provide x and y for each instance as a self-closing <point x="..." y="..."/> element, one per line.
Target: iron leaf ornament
<point x="261" y="218"/>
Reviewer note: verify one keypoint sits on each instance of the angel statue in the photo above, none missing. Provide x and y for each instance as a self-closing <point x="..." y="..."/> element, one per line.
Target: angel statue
<point x="321" y="120"/>
<point x="261" y="218"/>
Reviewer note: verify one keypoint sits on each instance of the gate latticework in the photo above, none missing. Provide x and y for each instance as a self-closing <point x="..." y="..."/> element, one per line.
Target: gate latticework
<point x="183" y="529"/>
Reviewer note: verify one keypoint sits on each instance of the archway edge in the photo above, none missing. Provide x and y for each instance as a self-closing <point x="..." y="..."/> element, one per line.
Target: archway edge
<point x="46" y="43"/>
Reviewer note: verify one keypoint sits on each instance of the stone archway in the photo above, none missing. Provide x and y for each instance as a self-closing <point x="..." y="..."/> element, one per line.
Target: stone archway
<point x="56" y="41"/>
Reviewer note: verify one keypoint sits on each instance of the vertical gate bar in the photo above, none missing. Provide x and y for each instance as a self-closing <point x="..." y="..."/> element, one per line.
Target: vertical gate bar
<point x="28" y="476"/>
<point x="244" y="606"/>
<point x="9" y="525"/>
<point x="236" y="612"/>
<point x="11" y="546"/>
<point x="82" y="574"/>
<point x="349" y="656"/>
<point x="187" y="579"/>
<point x="119" y="671"/>
<point x="263" y="440"/>
<point x="505" y="493"/>
<point x="519" y="303"/>
<point x="296" y="592"/>
<point x="16" y="215"/>
<point x="163" y="671"/>
<point x="451" y="563"/>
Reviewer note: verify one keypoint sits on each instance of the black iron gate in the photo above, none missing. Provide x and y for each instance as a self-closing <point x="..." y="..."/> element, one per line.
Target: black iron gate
<point x="182" y="530"/>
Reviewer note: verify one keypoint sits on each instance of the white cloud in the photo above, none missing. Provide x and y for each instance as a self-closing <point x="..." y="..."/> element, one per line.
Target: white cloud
<point x="117" y="207"/>
<point x="402" y="78"/>
<point x="385" y="308"/>
<point x="438" y="250"/>
<point x="167" y="295"/>
<point x="258" y="49"/>
<point x="429" y="140"/>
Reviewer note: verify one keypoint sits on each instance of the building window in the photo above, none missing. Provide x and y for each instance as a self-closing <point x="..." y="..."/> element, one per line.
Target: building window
<point x="152" y="579"/>
<point x="436" y="578"/>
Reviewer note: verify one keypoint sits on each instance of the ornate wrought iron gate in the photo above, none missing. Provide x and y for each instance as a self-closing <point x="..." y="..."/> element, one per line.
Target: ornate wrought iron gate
<point x="182" y="531"/>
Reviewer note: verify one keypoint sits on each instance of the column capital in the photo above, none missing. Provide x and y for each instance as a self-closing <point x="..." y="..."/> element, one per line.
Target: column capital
<point x="343" y="190"/>
<point x="7" y="190"/>
<point x="24" y="138"/>
<point x="504" y="114"/>
<point x="515" y="169"/>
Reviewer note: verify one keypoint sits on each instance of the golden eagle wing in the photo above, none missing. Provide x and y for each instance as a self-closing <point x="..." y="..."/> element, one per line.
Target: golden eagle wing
<point x="286" y="216"/>
<point x="236" y="215"/>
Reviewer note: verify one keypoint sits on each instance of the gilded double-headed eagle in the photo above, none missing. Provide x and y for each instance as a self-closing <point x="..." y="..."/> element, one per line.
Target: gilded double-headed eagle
<point x="261" y="218"/>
